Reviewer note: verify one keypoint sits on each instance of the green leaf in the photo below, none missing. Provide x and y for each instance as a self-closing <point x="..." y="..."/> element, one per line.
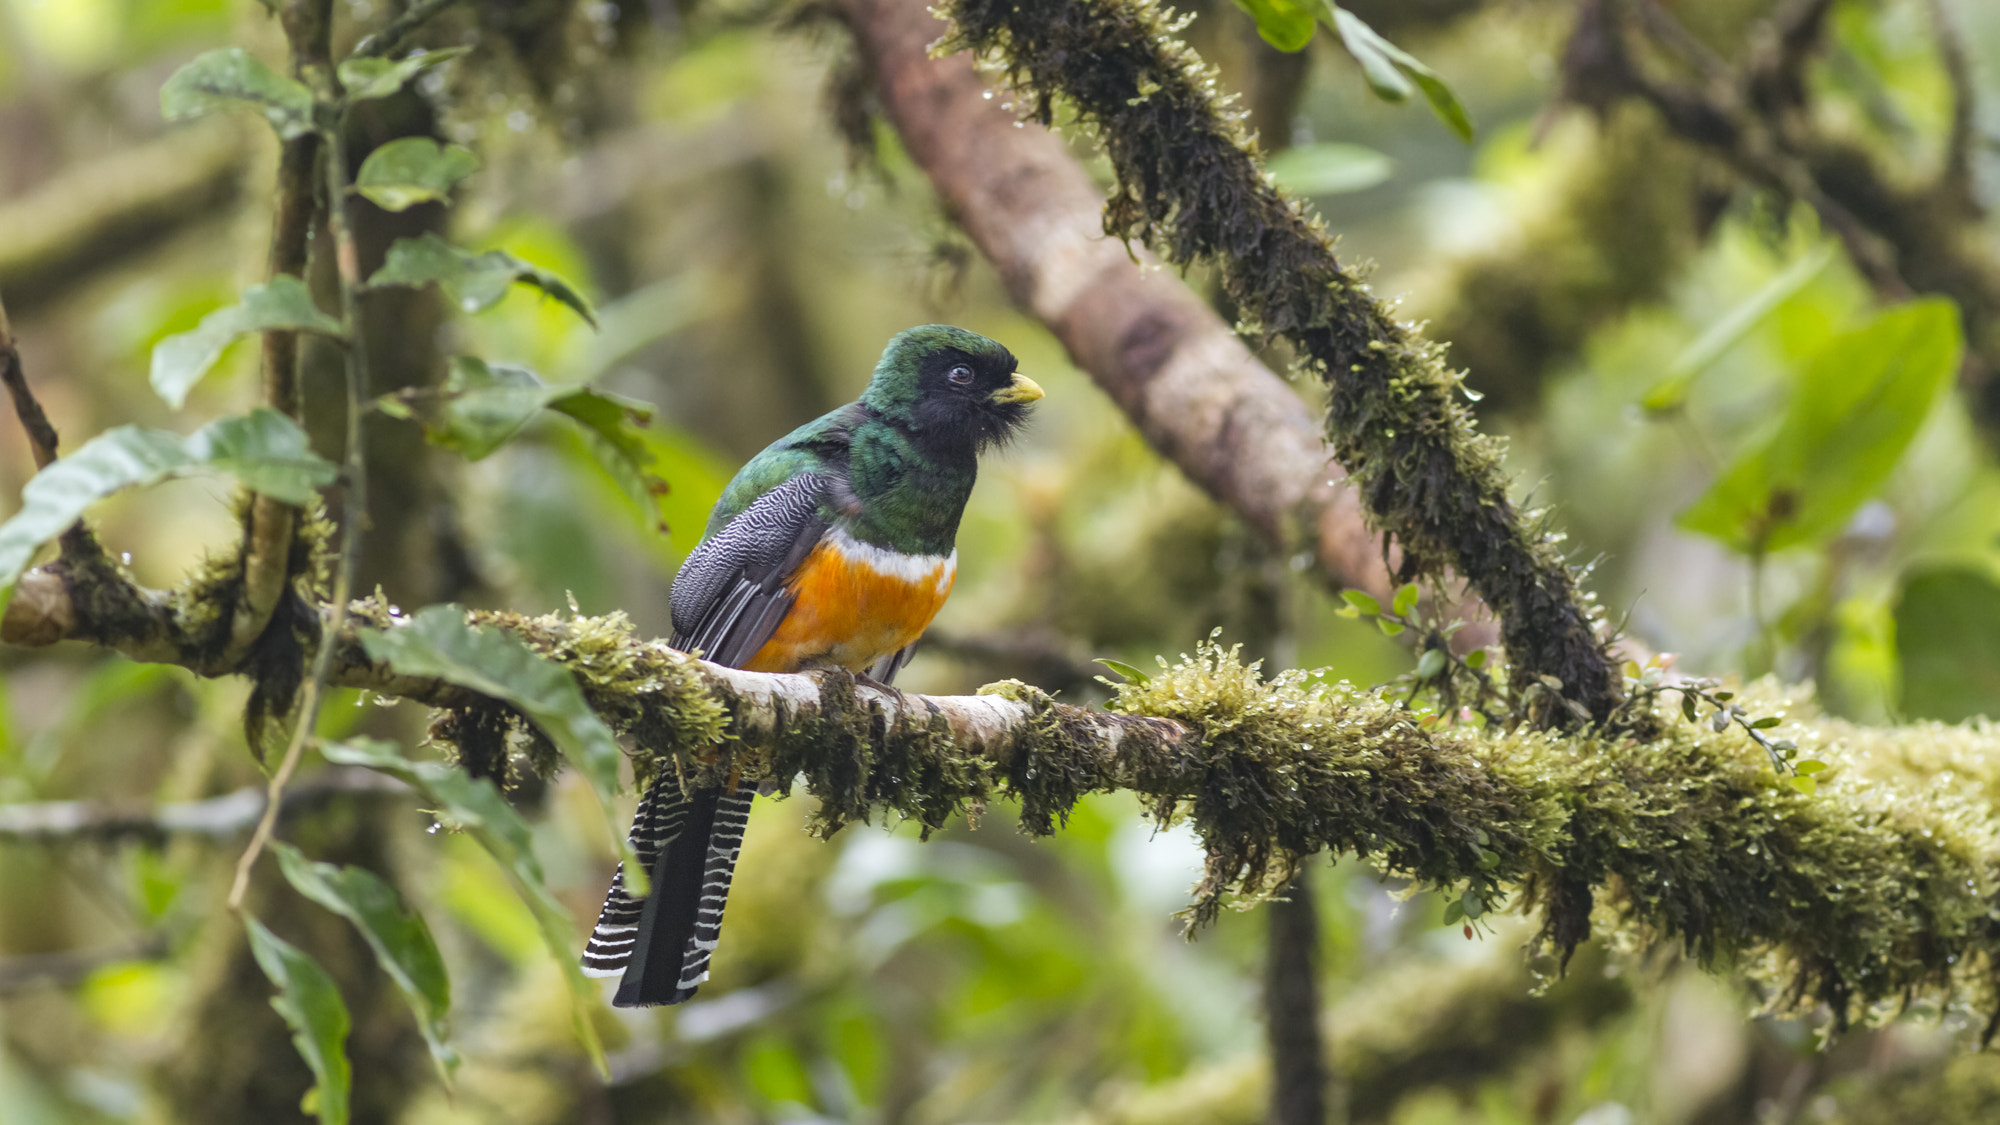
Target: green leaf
<point x="264" y="450"/>
<point x="1389" y="628"/>
<point x="412" y="170"/>
<point x="1672" y="389"/>
<point x="1688" y="711"/>
<point x="1125" y="670"/>
<point x="400" y="939"/>
<point x="1329" y="169"/>
<point x="1362" y="602"/>
<point x="1810" y="766"/>
<point x="231" y="78"/>
<point x="1476" y="659"/>
<point x="1391" y="71"/>
<point x="1948" y="636"/>
<point x="311" y="1005"/>
<point x="474" y="281"/>
<point x="439" y="642"/>
<point x="1803" y="783"/>
<point x="267" y="452"/>
<point x="1454" y="911"/>
<point x="371" y="77"/>
<point x="483" y="405"/>
<point x="1405" y="599"/>
<point x="1474" y="905"/>
<point x="1284" y="24"/>
<point x="612" y="428"/>
<point x="1766" y="723"/>
<point x="180" y="360"/>
<point x="1430" y="664"/>
<point x="1853" y="412"/>
<point x="475" y="806"/>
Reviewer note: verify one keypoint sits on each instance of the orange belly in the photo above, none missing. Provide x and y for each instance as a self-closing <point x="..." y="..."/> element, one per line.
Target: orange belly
<point x="856" y="604"/>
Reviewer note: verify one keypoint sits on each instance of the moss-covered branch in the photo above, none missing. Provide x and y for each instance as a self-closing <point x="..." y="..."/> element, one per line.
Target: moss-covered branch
<point x="1189" y="385"/>
<point x="1189" y="185"/>
<point x="1875" y="893"/>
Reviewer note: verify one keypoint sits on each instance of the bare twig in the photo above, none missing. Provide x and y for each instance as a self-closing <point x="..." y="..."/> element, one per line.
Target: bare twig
<point x="1955" y="178"/>
<point x="41" y="435"/>
<point x="1291" y="1009"/>
<point x="215" y="817"/>
<point x="392" y="35"/>
<point x="73" y="966"/>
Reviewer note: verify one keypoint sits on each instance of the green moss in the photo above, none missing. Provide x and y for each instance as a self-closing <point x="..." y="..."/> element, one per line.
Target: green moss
<point x="1190" y="185"/>
<point x="1875" y="894"/>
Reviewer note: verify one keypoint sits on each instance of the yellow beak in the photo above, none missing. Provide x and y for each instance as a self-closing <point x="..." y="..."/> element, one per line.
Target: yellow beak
<point x="1022" y="389"/>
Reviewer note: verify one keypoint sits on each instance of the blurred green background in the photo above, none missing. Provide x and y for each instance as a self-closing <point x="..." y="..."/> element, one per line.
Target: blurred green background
<point x="678" y="162"/>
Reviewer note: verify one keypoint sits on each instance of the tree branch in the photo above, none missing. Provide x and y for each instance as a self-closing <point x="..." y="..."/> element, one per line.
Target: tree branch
<point x="217" y="817"/>
<point x="1879" y="891"/>
<point x="1190" y="385"/>
<point x="100" y="213"/>
<point x="269" y="524"/>
<point x="1189" y="184"/>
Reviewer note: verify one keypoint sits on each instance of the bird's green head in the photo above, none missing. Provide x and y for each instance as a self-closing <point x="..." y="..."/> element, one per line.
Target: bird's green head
<point x="950" y="387"/>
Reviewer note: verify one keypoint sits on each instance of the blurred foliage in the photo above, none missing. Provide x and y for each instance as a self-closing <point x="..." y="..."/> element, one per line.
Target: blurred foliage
<point x="670" y="166"/>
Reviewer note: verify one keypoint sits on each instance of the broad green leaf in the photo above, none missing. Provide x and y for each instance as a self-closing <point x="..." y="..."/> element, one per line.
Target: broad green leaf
<point x="412" y="170"/>
<point x="1329" y="169"/>
<point x="1361" y="601"/>
<point x="232" y="78"/>
<point x="1853" y="411"/>
<point x="371" y="77"/>
<point x="1284" y="24"/>
<point x="439" y="642"/>
<point x="1430" y="664"/>
<point x="475" y="806"/>
<point x="1125" y="670"/>
<point x="612" y="429"/>
<point x="267" y="452"/>
<point x="1405" y="599"/>
<point x="1948" y="635"/>
<point x="474" y="281"/>
<point x="1394" y="73"/>
<point x="264" y="449"/>
<point x="483" y="405"/>
<point x="312" y="1007"/>
<point x="399" y="937"/>
<point x="180" y="360"/>
<point x="1728" y="331"/>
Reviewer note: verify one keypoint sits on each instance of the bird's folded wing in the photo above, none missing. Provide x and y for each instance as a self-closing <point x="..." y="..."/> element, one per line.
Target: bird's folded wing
<point x="730" y="594"/>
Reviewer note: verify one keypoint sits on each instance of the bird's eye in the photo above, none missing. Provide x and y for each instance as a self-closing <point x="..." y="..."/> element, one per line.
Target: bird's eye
<point x="960" y="374"/>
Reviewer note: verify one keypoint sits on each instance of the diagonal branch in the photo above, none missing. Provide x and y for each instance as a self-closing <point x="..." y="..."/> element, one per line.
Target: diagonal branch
<point x="1189" y="184"/>
<point x="1188" y="382"/>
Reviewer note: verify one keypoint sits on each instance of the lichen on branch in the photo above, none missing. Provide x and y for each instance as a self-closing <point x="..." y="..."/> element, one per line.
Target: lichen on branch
<point x="1189" y="184"/>
<point x="1875" y="893"/>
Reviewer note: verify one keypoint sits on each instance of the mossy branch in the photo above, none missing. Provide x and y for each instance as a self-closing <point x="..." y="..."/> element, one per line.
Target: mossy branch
<point x="1876" y="894"/>
<point x="1189" y="185"/>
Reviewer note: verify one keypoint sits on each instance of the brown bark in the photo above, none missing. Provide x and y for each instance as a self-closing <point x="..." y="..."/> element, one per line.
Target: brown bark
<point x="1184" y="378"/>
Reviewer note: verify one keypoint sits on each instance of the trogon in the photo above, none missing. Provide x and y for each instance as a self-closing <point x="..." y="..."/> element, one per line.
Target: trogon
<point x="833" y="548"/>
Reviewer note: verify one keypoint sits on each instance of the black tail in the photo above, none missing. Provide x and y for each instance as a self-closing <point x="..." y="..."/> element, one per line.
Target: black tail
<point x="689" y="843"/>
